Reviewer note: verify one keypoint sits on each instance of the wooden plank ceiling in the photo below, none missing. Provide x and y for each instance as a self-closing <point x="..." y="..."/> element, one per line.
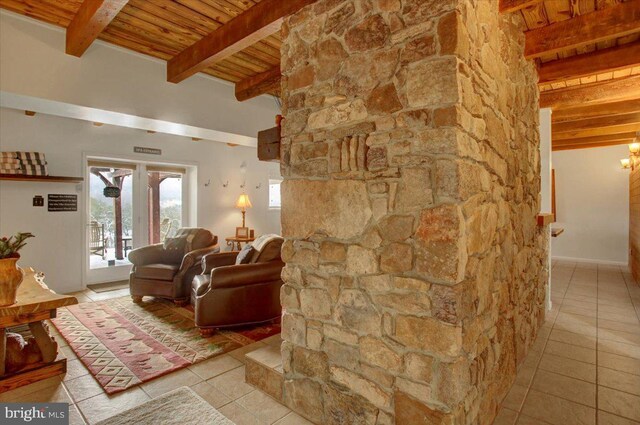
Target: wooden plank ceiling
<point x="587" y="51"/>
<point x="165" y="28"/>
<point x="588" y="57"/>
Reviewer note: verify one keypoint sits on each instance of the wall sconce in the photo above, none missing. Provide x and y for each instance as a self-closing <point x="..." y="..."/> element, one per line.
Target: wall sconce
<point x="626" y="163"/>
<point x="634" y="154"/>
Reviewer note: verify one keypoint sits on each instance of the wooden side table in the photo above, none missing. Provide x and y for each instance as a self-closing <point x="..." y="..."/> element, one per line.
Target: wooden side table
<point x="36" y="303"/>
<point x="236" y="243"/>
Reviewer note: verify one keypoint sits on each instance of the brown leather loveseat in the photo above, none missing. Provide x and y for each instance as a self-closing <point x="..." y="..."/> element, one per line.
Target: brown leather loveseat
<point x="166" y="270"/>
<point x="228" y="293"/>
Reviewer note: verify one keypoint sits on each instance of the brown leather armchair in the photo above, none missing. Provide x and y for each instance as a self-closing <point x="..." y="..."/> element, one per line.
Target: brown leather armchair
<point x="227" y="294"/>
<point x="166" y="270"/>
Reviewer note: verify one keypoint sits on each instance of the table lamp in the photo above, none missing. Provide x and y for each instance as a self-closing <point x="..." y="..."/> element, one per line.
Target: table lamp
<point x="243" y="203"/>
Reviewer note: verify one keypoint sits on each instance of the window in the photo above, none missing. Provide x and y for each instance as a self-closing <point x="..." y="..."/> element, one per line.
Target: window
<point x="274" y="194"/>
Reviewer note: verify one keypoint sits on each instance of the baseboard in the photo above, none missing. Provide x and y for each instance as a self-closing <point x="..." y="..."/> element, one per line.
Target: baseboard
<point x="592" y="261"/>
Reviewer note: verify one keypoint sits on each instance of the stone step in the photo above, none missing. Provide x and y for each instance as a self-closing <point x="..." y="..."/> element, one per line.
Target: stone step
<point x="264" y="370"/>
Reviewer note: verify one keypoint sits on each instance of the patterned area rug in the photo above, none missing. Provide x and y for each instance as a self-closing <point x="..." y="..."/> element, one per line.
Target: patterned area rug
<point x="124" y="344"/>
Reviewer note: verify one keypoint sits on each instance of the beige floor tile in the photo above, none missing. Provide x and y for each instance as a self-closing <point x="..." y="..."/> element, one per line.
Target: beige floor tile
<point x="606" y="418"/>
<point x="571" y="351"/>
<point x="525" y="376"/>
<point x="170" y="382"/>
<point x="568" y="367"/>
<point x="619" y="348"/>
<point x="506" y="417"/>
<point x="240" y="352"/>
<point x="556" y="410"/>
<point x="211" y="394"/>
<point x="213" y="367"/>
<point x="268" y="355"/>
<point x="619" y="336"/>
<point x="621" y="363"/>
<point x="103" y="406"/>
<point x="83" y="387"/>
<point x="580" y="304"/>
<point x="578" y="310"/>
<point x="238" y="415"/>
<point x="619" y="403"/>
<point x="75" y="368"/>
<point x="620" y="318"/>
<point x="75" y="418"/>
<point x="619" y="380"/>
<point x="263" y="407"/>
<point x="576" y="328"/>
<point x="565" y="387"/>
<point x="573" y="338"/>
<point x="617" y="326"/>
<point x="293" y="419"/>
<point x="273" y="340"/>
<point x="68" y="352"/>
<point x="515" y="398"/>
<point x="232" y="383"/>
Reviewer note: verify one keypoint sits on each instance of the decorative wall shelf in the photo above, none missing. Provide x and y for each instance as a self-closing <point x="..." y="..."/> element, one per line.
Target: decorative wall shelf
<point x="545" y="219"/>
<point x="49" y="179"/>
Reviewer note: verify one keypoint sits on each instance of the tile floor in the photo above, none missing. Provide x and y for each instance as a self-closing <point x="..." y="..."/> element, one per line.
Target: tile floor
<point x="219" y="380"/>
<point x="584" y="368"/>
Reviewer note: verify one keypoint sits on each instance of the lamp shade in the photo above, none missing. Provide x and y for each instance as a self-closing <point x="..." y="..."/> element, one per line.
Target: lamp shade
<point x="626" y="163"/>
<point x="243" y="202"/>
<point x="634" y="147"/>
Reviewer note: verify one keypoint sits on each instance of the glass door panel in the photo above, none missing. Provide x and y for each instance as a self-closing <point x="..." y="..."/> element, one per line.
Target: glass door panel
<point x="111" y="215"/>
<point x="165" y="202"/>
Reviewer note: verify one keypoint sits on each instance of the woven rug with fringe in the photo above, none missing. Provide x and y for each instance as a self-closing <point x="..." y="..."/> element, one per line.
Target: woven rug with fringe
<point x="124" y="344"/>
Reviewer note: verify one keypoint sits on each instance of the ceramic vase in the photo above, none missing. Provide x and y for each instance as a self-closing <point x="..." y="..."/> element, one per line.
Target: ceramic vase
<point x="10" y="279"/>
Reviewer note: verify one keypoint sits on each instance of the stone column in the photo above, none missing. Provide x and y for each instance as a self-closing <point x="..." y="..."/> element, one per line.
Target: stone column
<point x="414" y="280"/>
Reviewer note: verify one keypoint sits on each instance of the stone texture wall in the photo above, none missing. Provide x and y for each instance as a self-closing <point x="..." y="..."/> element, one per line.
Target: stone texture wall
<point x="415" y="271"/>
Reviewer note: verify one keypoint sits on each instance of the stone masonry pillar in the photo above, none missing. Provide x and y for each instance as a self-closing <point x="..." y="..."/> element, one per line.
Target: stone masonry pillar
<point x="415" y="278"/>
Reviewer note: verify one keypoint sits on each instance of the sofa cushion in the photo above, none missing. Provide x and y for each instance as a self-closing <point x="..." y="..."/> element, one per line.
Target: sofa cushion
<point x="157" y="271"/>
<point x="245" y="255"/>
<point x="200" y="284"/>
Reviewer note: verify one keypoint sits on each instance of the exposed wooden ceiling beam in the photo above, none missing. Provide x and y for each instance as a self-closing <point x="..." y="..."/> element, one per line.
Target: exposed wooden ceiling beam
<point x="508" y="6"/>
<point x="589" y="145"/>
<point x="595" y="141"/>
<point x="256" y="23"/>
<point x="598" y="62"/>
<point x="615" y="21"/>
<point x="596" y="126"/>
<point x="615" y="90"/>
<point x="92" y="18"/>
<point x="595" y="111"/>
<point x="266" y="82"/>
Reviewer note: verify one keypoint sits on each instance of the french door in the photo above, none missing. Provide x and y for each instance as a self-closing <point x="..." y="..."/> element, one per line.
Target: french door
<point x="129" y="204"/>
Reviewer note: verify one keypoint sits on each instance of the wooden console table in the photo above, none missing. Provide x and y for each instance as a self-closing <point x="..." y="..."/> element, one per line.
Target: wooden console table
<point x="36" y="303"/>
<point x="236" y="243"/>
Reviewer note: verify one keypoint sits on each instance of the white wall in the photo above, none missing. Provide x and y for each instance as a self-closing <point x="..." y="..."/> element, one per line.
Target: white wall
<point x="592" y="203"/>
<point x="57" y="249"/>
<point x="33" y="63"/>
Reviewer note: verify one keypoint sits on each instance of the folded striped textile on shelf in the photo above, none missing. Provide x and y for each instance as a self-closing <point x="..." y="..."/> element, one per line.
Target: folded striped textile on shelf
<point x="10" y="161"/>
<point x="10" y="170"/>
<point x="10" y="166"/>
<point x="31" y="156"/>
<point x="13" y="155"/>
<point x="35" y="170"/>
<point x="32" y="162"/>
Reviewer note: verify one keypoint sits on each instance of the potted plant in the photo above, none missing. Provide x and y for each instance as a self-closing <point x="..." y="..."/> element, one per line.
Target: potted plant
<point x="10" y="274"/>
